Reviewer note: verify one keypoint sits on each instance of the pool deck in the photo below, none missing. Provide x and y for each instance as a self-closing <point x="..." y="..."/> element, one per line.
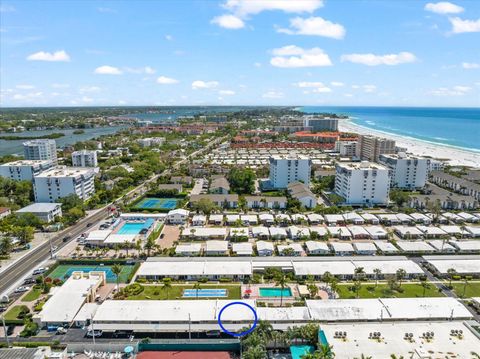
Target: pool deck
<point x="255" y="293"/>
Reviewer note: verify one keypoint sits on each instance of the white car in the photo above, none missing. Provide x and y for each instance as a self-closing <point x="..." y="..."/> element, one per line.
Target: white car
<point x="96" y="333"/>
<point x="40" y="271"/>
<point x="22" y="289"/>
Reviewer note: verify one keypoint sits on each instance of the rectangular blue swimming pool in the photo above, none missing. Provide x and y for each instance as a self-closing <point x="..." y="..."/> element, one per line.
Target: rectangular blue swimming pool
<point x="275" y="292"/>
<point x="135" y="227"/>
<point x="205" y="293"/>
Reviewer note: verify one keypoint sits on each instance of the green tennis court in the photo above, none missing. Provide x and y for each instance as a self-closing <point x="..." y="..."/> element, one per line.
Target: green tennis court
<point x="157" y="203"/>
<point x="64" y="271"/>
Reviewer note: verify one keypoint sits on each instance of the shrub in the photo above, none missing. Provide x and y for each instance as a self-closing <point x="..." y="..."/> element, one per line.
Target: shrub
<point x="133" y="289"/>
<point x="30" y="329"/>
<point x="23" y="312"/>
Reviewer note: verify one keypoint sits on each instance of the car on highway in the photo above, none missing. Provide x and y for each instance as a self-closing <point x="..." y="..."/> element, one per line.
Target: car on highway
<point x="89" y="224"/>
<point x="54" y="248"/>
<point x="40" y="270"/>
<point x="94" y="333"/>
<point x="66" y="238"/>
<point x="22" y="289"/>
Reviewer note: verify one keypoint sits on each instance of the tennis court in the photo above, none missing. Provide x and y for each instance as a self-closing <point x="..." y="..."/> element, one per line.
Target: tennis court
<point x="64" y="271"/>
<point x="157" y="203"/>
<point x="205" y="293"/>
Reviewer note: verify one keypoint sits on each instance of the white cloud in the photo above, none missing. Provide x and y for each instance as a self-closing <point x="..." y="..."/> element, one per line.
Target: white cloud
<point x="443" y="7"/>
<point x="460" y="26"/>
<point x="106" y="10"/>
<point x="316" y="26"/>
<point x="273" y="94"/>
<point x="375" y="60"/>
<point x="168" y="37"/>
<point x="369" y="88"/>
<point x="87" y="89"/>
<point x="294" y="56"/>
<point x="60" y="55"/>
<point x="60" y="86"/>
<point x="228" y="22"/>
<point x="198" y="84"/>
<point x="108" y="70"/>
<point x="141" y="70"/>
<point x="148" y="70"/>
<point x="226" y="92"/>
<point x="318" y="87"/>
<point x="25" y="87"/>
<point x="453" y="91"/>
<point x="164" y="80"/>
<point x="470" y="65"/>
<point x="252" y="7"/>
<point x="28" y="96"/>
<point x="86" y="99"/>
<point x="337" y="84"/>
<point x="257" y="64"/>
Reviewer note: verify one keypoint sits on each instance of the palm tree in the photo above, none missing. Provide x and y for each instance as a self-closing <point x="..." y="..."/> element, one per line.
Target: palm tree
<point x="313" y="289"/>
<point x="377" y="272"/>
<point x="327" y="277"/>
<point x="466" y="279"/>
<point x="357" y="285"/>
<point x="126" y="246"/>
<point x="117" y="269"/>
<point x="363" y="356"/>
<point x="334" y="284"/>
<point x="167" y="284"/>
<point x="451" y="273"/>
<point x="196" y="286"/>
<point x="359" y="273"/>
<point x="256" y="352"/>
<point x="401" y="273"/>
<point x="424" y="284"/>
<point x="278" y="338"/>
<point x="149" y="245"/>
<point x="281" y="280"/>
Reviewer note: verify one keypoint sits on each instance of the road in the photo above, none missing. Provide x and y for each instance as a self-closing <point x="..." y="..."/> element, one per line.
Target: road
<point x="38" y="255"/>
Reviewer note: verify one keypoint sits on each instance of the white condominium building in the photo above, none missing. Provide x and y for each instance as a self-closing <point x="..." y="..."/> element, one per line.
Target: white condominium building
<point x="370" y="147"/>
<point x="60" y="182"/>
<point x="408" y="172"/>
<point x="285" y="170"/>
<point x="320" y="124"/>
<point x="84" y="158"/>
<point x="24" y="170"/>
<point x="347" y="148"/>
<point x="40" y="150"/>
<point x="362" y="183"/>
<point x="152" y="141"/>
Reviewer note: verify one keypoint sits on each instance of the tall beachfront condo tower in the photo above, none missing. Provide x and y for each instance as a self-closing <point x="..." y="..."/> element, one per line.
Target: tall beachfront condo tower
<point x="24" y="170"/>
<point x="84" y="158"/>
<point x="56" y="183"/>
<point x="285" y="170"/>
<point x="320" y="124"/>
<point x="362" y="183"/>
<point x="371" y="147"/>
<point x="40" y="150"/>
<point x="408" y="172"/>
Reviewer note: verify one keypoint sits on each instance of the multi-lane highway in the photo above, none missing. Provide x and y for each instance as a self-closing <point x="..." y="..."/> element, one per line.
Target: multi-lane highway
<point x="39" y="254"/>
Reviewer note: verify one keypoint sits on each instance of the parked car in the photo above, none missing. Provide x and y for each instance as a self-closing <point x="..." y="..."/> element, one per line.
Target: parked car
<point x="40" y="270"/>
<point x="61" y="330"/>
<point x="22" y="289"/>
<point x="96" y="333"/>
<point x="29" y="281"/>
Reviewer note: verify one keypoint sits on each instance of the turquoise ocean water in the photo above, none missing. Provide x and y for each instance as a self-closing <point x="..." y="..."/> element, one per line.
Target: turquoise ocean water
<point x="457" y="127"/>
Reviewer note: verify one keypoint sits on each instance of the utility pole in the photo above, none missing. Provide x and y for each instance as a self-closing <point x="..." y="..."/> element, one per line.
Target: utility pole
<point x="5" y="332"/>
<point x="189" y="327"/>
<point x="93" y="330"/>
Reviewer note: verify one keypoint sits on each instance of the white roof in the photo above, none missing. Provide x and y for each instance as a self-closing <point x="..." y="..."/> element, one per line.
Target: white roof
<point x="336" y="231"/>
<point x="188" y="248"/>
<point x="67" y="300"/>
<point x="298" y="217"/>
<point x="232" y="217"/>
<point x="352" y="216"/>
<point x="266" y="217"/>
<point x="313" y="217"/>
<point x="346" y="309"/>
<point x="180" y="211"/>
<point x="242" y="248"/>
<point x="473" y="245"/>
<point x="451" y="229"/>
<point x="99" y="235"/>
<point x="217" y="246"/>
<point x="198" y="218"/>
<point x="358" y="231"/>
<point x="388" y="217"/>
<point x="297" y="248"/>
<point x="452" y="216"/>
<point x="475" y="231"/>
<point x="39" y="208"/>
<point x="194" y="268"/>
<point x="335" y="267"/>
<point x="333" y="218"/>
<point x="431" y="230"/>
<point x="260" y="231"/>
<point x="239" y="232"/>
<point x="376" y="231"/>
<point x="385" y="246"/>
<point x="249" y="217"/>
<point x="264" y="246"/>
<point x="461" y="265"/>
<point x="205" y="231"/>
<point x="287" y="314"/>
<point x="364" y="246"/>
<point x="440" y="245"/>
<point x="415" y="246"/>
<point x="317" y="246"/>
<point x="216" y="217"/>
<point x="388" y="266"/>
<point x="467" y="216"/>
<point x="420" y="217"/>
<point x="404" y="217"/>
<point x="342" y="247"/>
<point x="321" y="231"/>
<point x="298" y="231"/>
<point x="408" y="230"/>
<point x="283" y="216"/>
<point x="87" y="311"/>
<point x="425" y="308"/>
<point x="277" y="232"/>
<point x="369" y="217"/>
<point x="120" y="238"/>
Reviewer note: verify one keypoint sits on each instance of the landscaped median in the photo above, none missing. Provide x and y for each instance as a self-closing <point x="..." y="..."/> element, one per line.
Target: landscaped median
<point x="370" y="290"/>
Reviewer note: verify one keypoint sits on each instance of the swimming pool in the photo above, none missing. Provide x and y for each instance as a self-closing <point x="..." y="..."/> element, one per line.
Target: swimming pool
<point x="297" y="351"/>
<point x="275" y="292"/>
<point x="135" y="227"/>
<point x="204" y="293"/>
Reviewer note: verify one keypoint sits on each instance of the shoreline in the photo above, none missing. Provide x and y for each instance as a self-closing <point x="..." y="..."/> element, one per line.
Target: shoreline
<point x="454" y="156"/>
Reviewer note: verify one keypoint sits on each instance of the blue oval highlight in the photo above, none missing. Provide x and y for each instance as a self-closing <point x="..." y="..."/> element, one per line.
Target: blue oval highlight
<point x="241" y="334"/>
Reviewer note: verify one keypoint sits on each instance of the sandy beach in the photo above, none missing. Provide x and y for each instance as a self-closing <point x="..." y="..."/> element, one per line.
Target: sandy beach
<point x="455" y="156"/>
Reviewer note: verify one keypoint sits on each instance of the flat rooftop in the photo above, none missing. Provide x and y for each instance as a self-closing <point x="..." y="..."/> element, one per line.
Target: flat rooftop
<point x="66" y="172"/>
<point x="20" y="163"/>
<point x="364" y="165"/>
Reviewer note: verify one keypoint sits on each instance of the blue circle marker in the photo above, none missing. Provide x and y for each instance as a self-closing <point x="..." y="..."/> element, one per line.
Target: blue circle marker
<point x="241" y="334"/>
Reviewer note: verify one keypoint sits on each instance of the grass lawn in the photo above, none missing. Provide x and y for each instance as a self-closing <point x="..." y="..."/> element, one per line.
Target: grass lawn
<point x="34" y="294"/>
<point x="368" y="290"/>
<point x="472" y="289"/>
<point x="157" y="292"/>
<point x="12" y="314"/>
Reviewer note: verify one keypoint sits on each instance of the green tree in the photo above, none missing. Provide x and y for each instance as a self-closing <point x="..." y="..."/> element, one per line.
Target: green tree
<point x="117" y="269"/>
<point x="242" y="180"/>
<point x="281" y="280"/>
<point x="167" y="285"/>
<point x="400" y="274"/>
<point x="451" y="274"/>
<point x="205" y="206"/>
<point x="6" y="245"/>
<point x="197" y="287"/>
<point x="377" y="272"/>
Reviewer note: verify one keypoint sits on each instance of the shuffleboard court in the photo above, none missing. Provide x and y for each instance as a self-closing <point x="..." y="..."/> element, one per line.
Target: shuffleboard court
<point x="205" y="293"/>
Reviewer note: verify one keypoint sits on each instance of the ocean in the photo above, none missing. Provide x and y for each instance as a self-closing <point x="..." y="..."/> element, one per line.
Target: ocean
<point x="457" y="127"/>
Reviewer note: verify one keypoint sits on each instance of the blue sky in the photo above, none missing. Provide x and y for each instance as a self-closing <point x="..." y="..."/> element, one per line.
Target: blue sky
<point x="240" y="52"/>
